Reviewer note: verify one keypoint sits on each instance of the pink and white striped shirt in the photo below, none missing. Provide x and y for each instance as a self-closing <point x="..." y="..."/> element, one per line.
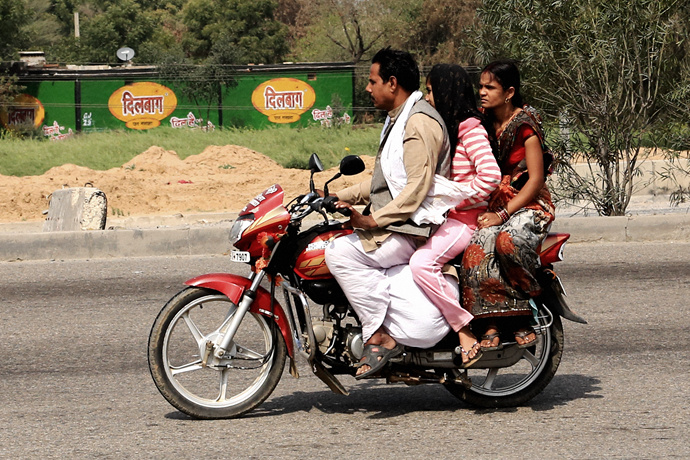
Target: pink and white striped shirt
<point x="474" y="164"/>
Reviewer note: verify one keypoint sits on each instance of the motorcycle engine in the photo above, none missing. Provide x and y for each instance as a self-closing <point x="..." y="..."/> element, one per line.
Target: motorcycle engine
<point x="324" y="332"/>
<point x="354" y="343"/>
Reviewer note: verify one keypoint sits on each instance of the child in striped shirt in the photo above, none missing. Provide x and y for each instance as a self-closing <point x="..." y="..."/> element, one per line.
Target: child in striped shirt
<point x="450" y="91"/>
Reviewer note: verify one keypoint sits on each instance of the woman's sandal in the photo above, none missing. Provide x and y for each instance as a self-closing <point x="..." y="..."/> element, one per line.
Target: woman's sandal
<point x="470" y="361"/>
<point x="523" y="333"/>
<point x="490" y="338"/>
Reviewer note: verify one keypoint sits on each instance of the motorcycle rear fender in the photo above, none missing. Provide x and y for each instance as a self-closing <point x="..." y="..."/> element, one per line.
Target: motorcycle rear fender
<point x="233" y="286"/>
<point x="553" y="296"/>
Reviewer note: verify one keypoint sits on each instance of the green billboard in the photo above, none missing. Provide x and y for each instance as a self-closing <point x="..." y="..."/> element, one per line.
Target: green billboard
<point x="64" y="101"/>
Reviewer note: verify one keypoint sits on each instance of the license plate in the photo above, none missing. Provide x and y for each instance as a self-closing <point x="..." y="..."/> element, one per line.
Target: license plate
<point x="239" y="256"/>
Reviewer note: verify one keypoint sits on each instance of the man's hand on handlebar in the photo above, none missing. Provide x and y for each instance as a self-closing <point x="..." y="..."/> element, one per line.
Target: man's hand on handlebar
<point x="357" y="219"/>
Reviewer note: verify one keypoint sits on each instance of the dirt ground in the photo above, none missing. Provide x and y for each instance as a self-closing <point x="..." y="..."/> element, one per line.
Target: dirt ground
<point x="157" y="182"/>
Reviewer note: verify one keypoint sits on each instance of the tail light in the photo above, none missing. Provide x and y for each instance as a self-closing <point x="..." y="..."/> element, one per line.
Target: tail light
<point x="551" y="249"/>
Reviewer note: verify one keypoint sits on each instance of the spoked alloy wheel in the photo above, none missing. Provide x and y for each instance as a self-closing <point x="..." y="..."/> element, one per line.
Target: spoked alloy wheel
<point x="245" y="376"/>
<point x="517" y="384"/>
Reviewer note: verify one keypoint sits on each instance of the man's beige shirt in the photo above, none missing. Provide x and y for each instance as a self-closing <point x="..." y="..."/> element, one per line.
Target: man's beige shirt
<point x="421" y="146"/>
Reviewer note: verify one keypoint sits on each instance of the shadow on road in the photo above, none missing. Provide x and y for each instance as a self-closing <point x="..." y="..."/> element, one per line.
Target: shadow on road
<point x="387" y="401"/>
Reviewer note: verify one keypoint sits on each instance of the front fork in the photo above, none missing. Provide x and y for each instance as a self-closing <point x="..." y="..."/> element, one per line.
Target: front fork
<point x="226" y="332"/>
<point x="300" y="301"/>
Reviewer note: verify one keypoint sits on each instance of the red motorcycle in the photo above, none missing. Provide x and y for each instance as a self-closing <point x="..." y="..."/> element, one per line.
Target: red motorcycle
<point x="218" y="348"/>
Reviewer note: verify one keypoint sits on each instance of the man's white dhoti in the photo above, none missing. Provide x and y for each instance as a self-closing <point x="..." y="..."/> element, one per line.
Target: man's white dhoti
<point x="363" y="277"/>
<point x="411" y="318"/>
<point x="381" y="290"/>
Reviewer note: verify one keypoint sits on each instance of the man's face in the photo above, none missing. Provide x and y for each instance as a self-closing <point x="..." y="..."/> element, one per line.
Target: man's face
<point x="380" y="91"/>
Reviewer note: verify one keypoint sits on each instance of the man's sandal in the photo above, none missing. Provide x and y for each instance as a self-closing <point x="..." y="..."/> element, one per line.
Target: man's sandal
<point x="376" y="356"/>
<point x="490" y="338"/>
<point x="523" y="334"/>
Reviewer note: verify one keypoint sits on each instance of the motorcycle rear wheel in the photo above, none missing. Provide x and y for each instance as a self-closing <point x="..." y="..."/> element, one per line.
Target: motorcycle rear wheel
<point x="515" y="385"/>
<point x="247" y="374"/>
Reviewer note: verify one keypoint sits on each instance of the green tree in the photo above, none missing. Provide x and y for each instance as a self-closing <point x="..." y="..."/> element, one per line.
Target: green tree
<point x="349" y="30"/>
<point x="603" y="67"/>
<point x="9" y="89"/>
<point x="123" y="23"/>
<point x="105" y="28"/>
<point x="64" y="11"/>
<point x="674" y="132"/>
<point x="438" y="29"/>
<point x="43" y="29"/>
<point x="165" y="43"/>
<point x="247" y="25"/>
<point x="14" y="15"/>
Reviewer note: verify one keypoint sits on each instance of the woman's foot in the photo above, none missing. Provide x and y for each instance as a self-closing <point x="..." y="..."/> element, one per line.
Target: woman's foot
<point x="491" y="340"/>
<point x="525" y="337"/>
<point x="470" y="350"/>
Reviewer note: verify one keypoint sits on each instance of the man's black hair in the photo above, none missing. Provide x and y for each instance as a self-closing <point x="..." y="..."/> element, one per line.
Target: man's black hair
<point x="398" y="64"/>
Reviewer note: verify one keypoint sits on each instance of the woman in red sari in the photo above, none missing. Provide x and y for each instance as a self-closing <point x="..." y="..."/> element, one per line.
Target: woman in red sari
<point x="500" y="261"/>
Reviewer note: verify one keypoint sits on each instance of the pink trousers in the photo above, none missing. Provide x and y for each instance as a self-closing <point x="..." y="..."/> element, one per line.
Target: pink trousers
<point x="427" y="263"/>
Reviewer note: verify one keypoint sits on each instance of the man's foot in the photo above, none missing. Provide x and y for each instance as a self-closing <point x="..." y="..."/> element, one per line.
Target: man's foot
<point x="375" y="357"/>
<point x="377" y="349"/>
<point x="491" y="340"/>
<point x="525" y="337"/>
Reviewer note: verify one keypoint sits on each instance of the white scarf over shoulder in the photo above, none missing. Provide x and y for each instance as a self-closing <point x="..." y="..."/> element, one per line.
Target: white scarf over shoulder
<point x="443" y="195"/>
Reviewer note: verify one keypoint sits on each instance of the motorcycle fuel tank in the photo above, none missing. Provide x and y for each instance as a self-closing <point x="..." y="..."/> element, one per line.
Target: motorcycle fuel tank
<point x="311" y="262"/>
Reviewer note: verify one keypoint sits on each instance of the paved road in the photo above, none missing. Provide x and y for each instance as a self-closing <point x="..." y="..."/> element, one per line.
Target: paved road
<point x="74" y="381"/>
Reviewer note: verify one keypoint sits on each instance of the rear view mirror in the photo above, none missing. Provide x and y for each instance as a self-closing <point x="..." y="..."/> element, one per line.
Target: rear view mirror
<point x="315" y="164"/>
<point x="351" y="165"/>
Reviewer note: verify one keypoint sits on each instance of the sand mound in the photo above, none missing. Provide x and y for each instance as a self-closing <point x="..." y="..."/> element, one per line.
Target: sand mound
<point x="158" y="182"/>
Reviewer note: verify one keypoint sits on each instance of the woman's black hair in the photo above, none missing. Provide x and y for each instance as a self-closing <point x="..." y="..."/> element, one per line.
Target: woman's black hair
<point x="506" y="72"/>
<point x="455" y="101"/>
<point x="398" y="64"/>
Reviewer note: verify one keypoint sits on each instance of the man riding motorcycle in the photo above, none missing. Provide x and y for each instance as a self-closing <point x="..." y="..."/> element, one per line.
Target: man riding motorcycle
<point x="414" y="148"/>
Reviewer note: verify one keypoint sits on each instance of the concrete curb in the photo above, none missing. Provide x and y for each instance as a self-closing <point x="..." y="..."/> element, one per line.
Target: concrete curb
<point x="664" y="227"/>
<point x="206" y="239"/>
<point x="114" y="243"/>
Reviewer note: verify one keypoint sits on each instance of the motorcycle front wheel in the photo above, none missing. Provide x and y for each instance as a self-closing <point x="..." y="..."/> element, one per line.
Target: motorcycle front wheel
<point x="245" y="376"/>
<point x="515" y="385"/>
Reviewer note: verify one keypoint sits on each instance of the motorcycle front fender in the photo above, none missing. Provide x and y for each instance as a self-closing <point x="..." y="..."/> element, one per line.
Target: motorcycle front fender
<point x="233" y="286"/>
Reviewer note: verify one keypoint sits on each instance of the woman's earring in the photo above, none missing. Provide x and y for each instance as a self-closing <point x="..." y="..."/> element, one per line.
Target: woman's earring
<point x="507" y="100"/>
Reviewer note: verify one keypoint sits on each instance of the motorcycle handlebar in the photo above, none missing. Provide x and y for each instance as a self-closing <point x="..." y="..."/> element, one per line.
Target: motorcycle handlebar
<point x="328" y="204"/>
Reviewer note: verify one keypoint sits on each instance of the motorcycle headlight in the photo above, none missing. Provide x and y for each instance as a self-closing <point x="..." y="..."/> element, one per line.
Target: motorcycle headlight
<point x="239" y="227"/>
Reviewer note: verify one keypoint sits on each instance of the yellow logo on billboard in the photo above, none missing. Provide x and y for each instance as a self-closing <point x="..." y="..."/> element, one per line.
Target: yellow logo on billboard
<point x="24" y="112"/>
<point x="283" y="100"/>
<point x="142" y="105"/>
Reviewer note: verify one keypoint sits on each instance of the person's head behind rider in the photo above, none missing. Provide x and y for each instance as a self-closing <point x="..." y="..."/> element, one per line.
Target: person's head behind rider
<point x="451" y="91"/>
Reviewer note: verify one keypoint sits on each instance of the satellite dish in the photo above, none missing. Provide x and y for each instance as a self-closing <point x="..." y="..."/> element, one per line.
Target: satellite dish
<point x="125" y="54"/>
